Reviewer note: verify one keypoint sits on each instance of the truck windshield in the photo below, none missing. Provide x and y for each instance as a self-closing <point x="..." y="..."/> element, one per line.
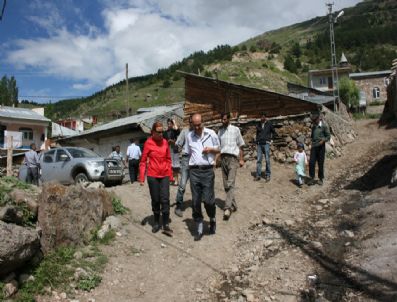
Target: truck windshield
<point x="81" y="153"/>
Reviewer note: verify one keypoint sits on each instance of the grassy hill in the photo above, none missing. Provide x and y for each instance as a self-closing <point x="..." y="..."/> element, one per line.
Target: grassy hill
<point x="366" y="34"/>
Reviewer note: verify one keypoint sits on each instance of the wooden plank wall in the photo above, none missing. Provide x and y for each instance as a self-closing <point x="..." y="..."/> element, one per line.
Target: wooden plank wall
<point x="211" y="97"/>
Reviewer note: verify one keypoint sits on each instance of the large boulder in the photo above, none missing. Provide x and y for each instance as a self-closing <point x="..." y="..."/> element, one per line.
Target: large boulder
<point x="17" y="245"/>
<point x="69" y="215"/>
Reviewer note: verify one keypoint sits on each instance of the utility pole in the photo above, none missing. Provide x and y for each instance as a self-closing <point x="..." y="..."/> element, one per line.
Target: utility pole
<point x="126" y="92"/>
<point x="334" y="65"/>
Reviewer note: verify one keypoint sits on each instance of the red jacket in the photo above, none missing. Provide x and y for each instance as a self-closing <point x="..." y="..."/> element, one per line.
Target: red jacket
<point x="159" y="157"/>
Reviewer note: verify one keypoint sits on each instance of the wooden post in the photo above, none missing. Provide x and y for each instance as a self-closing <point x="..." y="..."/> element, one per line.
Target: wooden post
<point x="127" y="93"/>
<point x="9" y="155"/>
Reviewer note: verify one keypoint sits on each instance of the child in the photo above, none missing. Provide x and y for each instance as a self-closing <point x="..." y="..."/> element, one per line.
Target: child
<point x="301" y="160"/>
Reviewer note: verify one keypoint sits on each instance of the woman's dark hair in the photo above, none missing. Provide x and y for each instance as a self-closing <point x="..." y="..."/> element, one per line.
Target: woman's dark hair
<point x="227" y="114"/>
<point x="170" y="121"/>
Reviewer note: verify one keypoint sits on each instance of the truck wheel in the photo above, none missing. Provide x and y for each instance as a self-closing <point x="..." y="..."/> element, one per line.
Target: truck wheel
<point x="81" y="178"/>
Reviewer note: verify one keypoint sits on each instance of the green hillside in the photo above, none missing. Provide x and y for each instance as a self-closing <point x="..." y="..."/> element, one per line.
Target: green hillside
<point x="366" y="34"/>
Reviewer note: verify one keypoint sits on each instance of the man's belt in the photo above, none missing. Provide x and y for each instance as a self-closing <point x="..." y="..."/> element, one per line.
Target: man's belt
<point x="228" y="155"/>
<point x="201" y="167"/>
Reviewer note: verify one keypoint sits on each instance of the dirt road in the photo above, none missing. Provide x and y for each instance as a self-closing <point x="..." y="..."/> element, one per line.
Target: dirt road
<point x="247" y="260"/>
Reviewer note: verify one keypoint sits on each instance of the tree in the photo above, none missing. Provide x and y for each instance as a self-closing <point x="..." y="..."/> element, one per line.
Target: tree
<point x="349" y="92"/>
<point x="296" y="50"/>
<point x="289" y="64"/>
<point x="253" y="48"/>
<point x="8" y="91"/>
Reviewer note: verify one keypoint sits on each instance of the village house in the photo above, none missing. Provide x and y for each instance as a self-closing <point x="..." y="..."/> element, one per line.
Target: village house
<point x="78" y="124"/>
<point x="373" y="84"/>
<point x="102" y="138"/>
<point x="321" y="79"/>
<point x="31" y="124"/>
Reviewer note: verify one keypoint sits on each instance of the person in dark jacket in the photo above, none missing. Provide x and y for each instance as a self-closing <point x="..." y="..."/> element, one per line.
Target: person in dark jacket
<point x="320" y="135"/>
<point x="264" y="137"/>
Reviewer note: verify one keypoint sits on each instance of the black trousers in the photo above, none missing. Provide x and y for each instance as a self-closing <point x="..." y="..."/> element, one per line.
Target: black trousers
<point x="159" y="189"/>
<point x="133" y="168"/>
<point x="317" y="154"/>
<point x="32" y="176"/>
<point x="202" y="187"/>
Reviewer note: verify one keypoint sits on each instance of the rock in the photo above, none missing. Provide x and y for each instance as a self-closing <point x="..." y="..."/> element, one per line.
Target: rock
<point x="323" y="201"/>
<point x="317" y="245"/>
<point x="95" y="185"/>
<point x="68" y="215"/>
<point x="23" y="278"/>
<point x="393" y="181"/>
<point x="63" y="295"/>
<point x="78" y="255"/>
<point x="266" y="221"/>
<point x="347" y="233"/>
<point x="17" y="245"/>
<point x="10" y="289"/>
<point x="113" y="222"/>
<point x="289" y="223"/>
<point x="11" y="214"/>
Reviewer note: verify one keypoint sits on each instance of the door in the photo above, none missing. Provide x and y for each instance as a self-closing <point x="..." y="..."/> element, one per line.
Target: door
<point x="2" y="129"/>
<point x="47" y="165"/>
<point x="62" y="167"/>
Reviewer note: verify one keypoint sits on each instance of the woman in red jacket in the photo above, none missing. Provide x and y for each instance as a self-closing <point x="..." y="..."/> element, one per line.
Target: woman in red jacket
<point x="156" y="162"/>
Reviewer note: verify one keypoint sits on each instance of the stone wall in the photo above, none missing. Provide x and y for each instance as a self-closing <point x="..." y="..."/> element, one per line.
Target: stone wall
<point x="367" y="85"/>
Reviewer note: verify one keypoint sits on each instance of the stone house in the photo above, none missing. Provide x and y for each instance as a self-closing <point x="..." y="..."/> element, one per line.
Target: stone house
<point x="373" y="84"/>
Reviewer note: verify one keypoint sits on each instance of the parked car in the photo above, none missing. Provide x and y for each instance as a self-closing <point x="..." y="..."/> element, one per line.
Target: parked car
<point x="69" y="165"/>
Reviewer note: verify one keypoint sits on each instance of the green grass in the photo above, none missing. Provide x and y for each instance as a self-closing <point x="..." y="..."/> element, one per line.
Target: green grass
<point x="57" y="271"/>
<point x="360" y="116"/>
<point x="118" y="207"/>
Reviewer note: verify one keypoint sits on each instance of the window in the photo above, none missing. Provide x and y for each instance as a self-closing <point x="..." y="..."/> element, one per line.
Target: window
<point x="376" y="93"/>
<point x="27" y="133"/>
<point x="323" y="81"/>
<point x="61" y="155"/>
<point x="49" y="156"/>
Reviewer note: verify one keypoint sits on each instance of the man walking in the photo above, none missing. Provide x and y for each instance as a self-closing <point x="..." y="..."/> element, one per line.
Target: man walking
<point x="33" y="163"/>
<point x="133" y="155"/>
<point x="180" y="143"/>
<point x="264" y="137"/>
<point x="202" y="145"/>
<point x="117" y="154"/>
<point x="232" y="156"/>
<point x="320" y="135"/>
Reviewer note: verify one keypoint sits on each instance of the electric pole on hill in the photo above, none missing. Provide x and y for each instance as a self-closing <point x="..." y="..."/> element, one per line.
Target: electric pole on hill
<point x="126" y="91"/>
<point x="334" y="66"/>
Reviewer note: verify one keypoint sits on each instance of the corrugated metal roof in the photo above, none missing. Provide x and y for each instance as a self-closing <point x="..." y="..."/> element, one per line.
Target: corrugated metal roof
<point x="145" y="120"/>
<point x="21" y="114"/>
<point x="382" y="73"/>
<point x="60" y="131"/>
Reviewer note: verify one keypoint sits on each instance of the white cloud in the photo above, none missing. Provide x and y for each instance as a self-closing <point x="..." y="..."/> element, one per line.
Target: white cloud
<point x="150" y="34"/>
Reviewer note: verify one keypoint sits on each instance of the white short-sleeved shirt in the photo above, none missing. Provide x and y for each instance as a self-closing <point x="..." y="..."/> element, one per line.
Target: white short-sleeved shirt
<point x="195" y="145"/>
<point x="231" y="140"/>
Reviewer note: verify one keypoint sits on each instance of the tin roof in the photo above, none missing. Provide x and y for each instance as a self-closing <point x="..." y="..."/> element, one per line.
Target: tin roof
<point x="371" y="74"/>
<point x="21" y="114"/>
<point x="144" y="120"/>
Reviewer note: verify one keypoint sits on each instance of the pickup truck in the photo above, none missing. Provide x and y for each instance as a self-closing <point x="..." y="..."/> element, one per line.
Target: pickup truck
<point x="69" y="165"/>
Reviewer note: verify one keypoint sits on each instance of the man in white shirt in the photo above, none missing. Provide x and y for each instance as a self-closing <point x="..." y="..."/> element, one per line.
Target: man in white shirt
<point x="232" y="156"/>
<point x="32" y="162"/>
<point x="133" y="156"/>
<point x="202" y="145"/>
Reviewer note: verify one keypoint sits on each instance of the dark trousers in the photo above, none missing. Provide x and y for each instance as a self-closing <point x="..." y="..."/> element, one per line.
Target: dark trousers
<point x="160" y="194"/>
<point x="133" y="168"/>
<point x="202" y="187"/>
<point x="32" y="176"/>
<point x="317" y="154"/>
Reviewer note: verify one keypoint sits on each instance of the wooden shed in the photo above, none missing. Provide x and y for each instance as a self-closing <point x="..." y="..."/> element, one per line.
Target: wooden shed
<point x="210" y="97"/>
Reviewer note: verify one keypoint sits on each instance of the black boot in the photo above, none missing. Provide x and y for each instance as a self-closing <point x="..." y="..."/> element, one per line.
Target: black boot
<point x="156" y="225"/>
<point x="166" y="227"/>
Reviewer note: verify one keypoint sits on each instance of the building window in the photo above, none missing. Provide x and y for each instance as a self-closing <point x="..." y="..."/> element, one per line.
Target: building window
<point x="323" y="81"/>
<point x="27" y="133"/>
<point x="376" y="93"/>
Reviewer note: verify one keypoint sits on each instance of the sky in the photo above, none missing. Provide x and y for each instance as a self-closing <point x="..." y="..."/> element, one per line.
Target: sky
<point x="60" y="49"/>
